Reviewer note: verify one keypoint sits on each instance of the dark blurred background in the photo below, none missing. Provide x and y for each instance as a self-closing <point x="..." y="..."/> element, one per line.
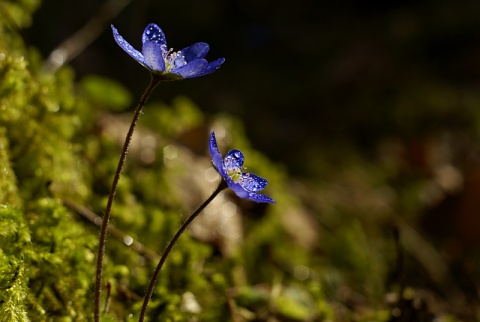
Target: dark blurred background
<point x="301" y="73"/>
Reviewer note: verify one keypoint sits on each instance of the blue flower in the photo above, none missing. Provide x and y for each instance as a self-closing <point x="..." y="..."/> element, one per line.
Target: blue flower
<point x="244" y="184"/>
<point x="171" y="65"/>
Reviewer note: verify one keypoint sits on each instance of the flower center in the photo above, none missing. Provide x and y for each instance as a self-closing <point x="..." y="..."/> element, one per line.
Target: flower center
<point x="173" y="59"/>
<point x="235" y="174"/>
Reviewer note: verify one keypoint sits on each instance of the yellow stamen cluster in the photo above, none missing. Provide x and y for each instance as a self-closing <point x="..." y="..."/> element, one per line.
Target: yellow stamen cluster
<point x="173" y="59"/>
<point x="235" y="174"/>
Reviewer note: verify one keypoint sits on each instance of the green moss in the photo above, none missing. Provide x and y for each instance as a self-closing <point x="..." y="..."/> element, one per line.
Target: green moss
<point x="14" y="259"/>
<point x="8" y="181"/>
<point x="46" y="257"/>
<point x="19" y="13"/>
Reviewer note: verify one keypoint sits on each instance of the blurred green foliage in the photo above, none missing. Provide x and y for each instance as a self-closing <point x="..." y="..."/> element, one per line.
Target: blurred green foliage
<point x="344" y="243"/>
<point x="107" y="92"/>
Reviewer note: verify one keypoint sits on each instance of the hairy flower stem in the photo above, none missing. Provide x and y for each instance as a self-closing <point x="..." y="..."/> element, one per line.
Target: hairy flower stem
<point x="154" y="81"/>
<point x="170" y="245"/>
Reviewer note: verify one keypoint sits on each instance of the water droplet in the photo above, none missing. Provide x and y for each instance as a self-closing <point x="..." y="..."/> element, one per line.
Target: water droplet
<point x="128" y="240"/>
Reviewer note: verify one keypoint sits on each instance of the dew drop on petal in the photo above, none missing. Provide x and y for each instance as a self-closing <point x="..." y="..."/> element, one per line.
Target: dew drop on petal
<point x="252" y="182"/>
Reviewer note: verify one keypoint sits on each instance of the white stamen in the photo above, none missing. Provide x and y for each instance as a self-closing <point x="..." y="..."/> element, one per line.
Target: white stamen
<point x="173" y="59"/>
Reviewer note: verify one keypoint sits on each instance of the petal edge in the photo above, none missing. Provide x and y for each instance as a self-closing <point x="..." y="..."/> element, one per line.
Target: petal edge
<point x="154" y="33"/>
<point x="257" y="197"/>
<point x="135" y="54"/>
<point x="191" y="69"/>
<point x="212" y="66"/>
<point x="215" y="154"/>
<point x="195" y="51"/>
<point x="253" y="183"/>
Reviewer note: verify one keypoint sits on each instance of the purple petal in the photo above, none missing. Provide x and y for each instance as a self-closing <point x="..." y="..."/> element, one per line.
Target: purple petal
<point x="217" y="158"/>
<point x="237" y="188"/>
<point x="135" y="54"/>
<point x="251" y="182"/>
<point x="211" y="67"/>
<point x="154" y="33"/>
<point x="234" y="159"/>
<point x="260" y="198"/>
<point x="195" y="51"/>
<point x="191" y="69"/>
<point x="152" y="52"/>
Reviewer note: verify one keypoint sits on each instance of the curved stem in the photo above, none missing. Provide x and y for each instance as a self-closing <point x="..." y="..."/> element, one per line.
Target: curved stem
<point x="170" y="245"/>
<point x="154" y="81"/>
